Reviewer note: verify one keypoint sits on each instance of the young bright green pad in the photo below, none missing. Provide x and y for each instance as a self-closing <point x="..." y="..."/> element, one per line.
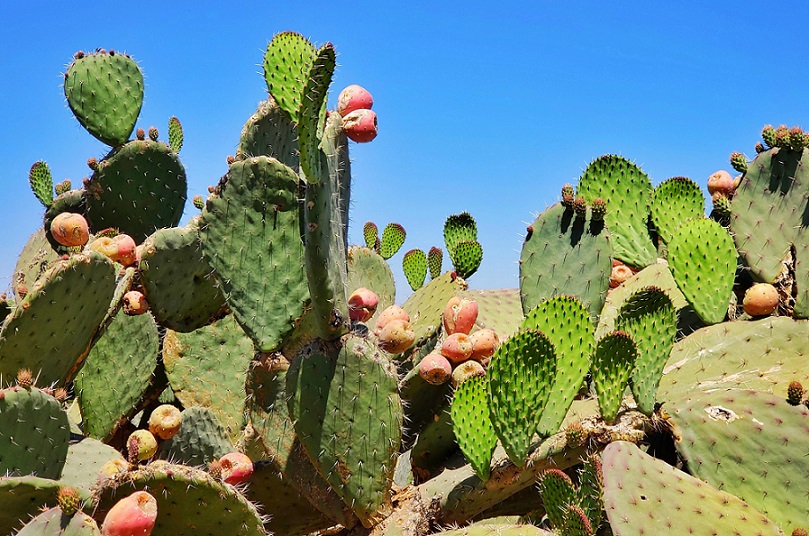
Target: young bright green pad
<point x="310" y="124"/>
<point x="643" y="495"/>
<point x="367" y="269"/>
<point x="466" y="258"/>
<point x="414" y="265"/>
<point x="613" y="362"/>
<point x="175" y="135"/>
<point x="459" y="228"/>
<point x="287" y="63"/>
<point x="472" y="424"/>
<point x="370" y="233"/>
<point x="558" y="493"/>
<point x="520" y="374"/>
<point x="105" y="93"/>
<point x="39" y="177"/>
<point x="648" y="316"/>
<point x="53" y="522"/>
<point x="393" y="238"/>
<point x="566" y="323"/>
<point x="50" y="330"/>
<point x="435" y="259"/>
<point x="674" y="202"/>
<point x="702" y="259"/>
<point x="591" y="489"/>
<point x="750" y="444"/>
<point x="270" y="132"/>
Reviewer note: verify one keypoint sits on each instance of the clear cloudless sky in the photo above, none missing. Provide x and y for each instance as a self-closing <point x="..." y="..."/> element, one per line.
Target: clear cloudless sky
<point x="486" y="107"/>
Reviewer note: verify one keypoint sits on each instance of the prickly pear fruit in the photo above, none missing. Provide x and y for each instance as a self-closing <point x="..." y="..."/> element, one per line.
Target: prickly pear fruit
<point x="134" y="515"/>
<point x="484" y="343"/>
<point x="620" y="273"/>
<point x="721" y="182"/>
<point x="360" y="126"/>
<point x="457" y="348"/>
<point x="435" y="369"/>
<point x="396" y="337"/>
<point x="125" y="250"/>
<point x="165" y="421"/>
<point x="760" y="299"/>
<point x="394" y="312"/>
<point x="141" y="445"/>
<point x="135" y="303"/>
<point x="466" y="370"/>
<point x="362" y="304"/>
<point x="352" y="98"/>
<point x="460" y="315"/>
<point x="236" y="468"/>
<point x="112" y="468"/>
<point x="70" y="229"/>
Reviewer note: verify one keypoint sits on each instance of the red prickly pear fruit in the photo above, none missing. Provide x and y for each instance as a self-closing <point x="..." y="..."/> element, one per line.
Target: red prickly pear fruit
<point x="435" y="369"/>
<point x="721" y="182"/>
<point x="466" y="370"/>
<point x="362" y="304"/>
<point x="460" y="315"/>
<point x="236" y="468"/>
<point x="484" y="344"/>
<point x="141" y="445"/>
<point x="360" y="126"/>
<point x="134" y="515"/>
<point x="760" y="299"/>
<point x="165" y="421"/>
<point x="620" y="273"/>
<point x="457" y="348"/>
<point x="352" y="98"/>
<point x="70" y="229"/>
<point x="394" y="312"/>
<point x="125" y="250"/>
<point x="396" y="337"/>
<point x="135" y="303"/>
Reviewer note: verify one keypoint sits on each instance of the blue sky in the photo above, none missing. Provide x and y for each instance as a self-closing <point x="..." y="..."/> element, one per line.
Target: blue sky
<point x="484" y="107"/>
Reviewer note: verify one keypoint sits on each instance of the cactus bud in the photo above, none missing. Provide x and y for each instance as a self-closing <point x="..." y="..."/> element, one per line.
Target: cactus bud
<point x="580" y="207"/>
<point x="62" y="187"/>
<point x="794" y="392"/>
<point x="796" y="138"/>
<point x="739" y="162"/>
<point x="760" y="148"/>
<point x="140" y="134"/>
<point x="568" y="195"/>
<point x="199" y="203"/>
<point x="153" y="133"/>
<point x="92" y="163"/>
<point x="68" y="499"/>
<point x="598" y="209"/>
<point x="768" y="135"/>
<point x="782" y="136"/>
<point x="25" y="378"/>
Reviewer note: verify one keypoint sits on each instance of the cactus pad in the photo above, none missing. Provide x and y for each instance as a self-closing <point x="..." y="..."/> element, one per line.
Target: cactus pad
<point x="472" y="424"/>
<point x="41" y="182"/>
<point x="674" y="202"/>
<point x="366" y="269"/>
<point x="270" y="132"/>
<point x="414" y="265"/>
<point x="613" y="362"/>
<point x="288" y="55"/>
<point x="175" y="135"/>
<point x="393" y="238"/>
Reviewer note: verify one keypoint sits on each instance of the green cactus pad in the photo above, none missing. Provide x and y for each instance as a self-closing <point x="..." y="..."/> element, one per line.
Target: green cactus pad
<point x="22" y="498"/>
<point x="53" y="522"/>
<point x="579" y="252"/>
<point x="189" y="501"/>
<point x="466" y="258"/>
<point x="750" y="444"/>
<point x="58" y="318"/>
<point x="34" y="433"/>
<point x="520" y="375"/>
<point x="436" y="442"/>
<point x="175" y="135"/>
<point x="287" y="63"/>
<point x="178" y="282"/>
<point x="70" y="201"/>
<point x="201" y="439"/>
<point x="137" y="188"/>
<point x="348" y="416"/>
<point x="768" y="219"/>
<point x="472" y="424"/>
<point x="85" y="458"/>
<point x="591" y="489"/>
<point x="256" y="250"/>
<point x="564" y="320"/>
<point x="426" y="305"/>
<point x="613" y="362"/>
<point x="370" y="233"/>
<point x="105" y="93"/>
<point x="34" y="259"/>
<point x="459" y="228"/>
<point x="367" y="269"/>
<point x="702" y="258"/>
<point x="393" y="238"/>
<point x="498" y="309"/>
<point x="270" y="132"/>
<point x="628" y="193"/>
<point x="208" y="368"/>
<point x="674" y="202"/>
<point x="116" y="374"/>
<point x="643" y="495"/>
<point x="435" y="258"/>
<point x="41" y="182"/>
<point x="558" y="494"/>
<point x="648" y="316"/>
<point x="414" y="265"/>
<point x="311" y="115"/>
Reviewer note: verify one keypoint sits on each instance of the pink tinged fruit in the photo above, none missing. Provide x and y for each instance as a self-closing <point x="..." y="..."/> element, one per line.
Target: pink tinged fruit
<point x="396" y="337"/>
<point x="70" y="229"/>
<point x="484" y="344"/>
<point x="165" y="421"/>
<point x="460" y="315"/>
<point x="435" y="369"/>
<point x="360" y="126"/>
<point x="760" y="299"/>
<point x="620" y="273"/>
<point x="466" y="370"/>
<point x="457" y="348"/>
<point x="721" y="182"/>
<point x="134" y="515"/>
<point x="394" y="312"/>
<point x="362" y="304"/>
<point x="125" y="250"/>
<point x="237" y="468"/>
<point x="135" y="303"/>
<point x="141" y="445"/>
<point x="352" y="98"/>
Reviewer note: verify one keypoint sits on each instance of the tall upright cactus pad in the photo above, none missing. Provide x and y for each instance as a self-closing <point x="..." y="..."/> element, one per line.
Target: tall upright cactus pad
<point x="370" y="234"/>
<point x="116" y="374"/>
<point x="367" y="269"/>
<point x="176" y="136"/>
<point x="675" y="201"/>
<point x="137" y="188"/>
<point x="435" y="260"/>
<point x="178" y="281"/>
<point x="472" y="424"/>
<point x="566" y="323"/>
<point x="41" y="182"/>
<point x="460" y="237"/>
<point x="613" y="362"/>
<point x="565" y="255"/>
<point x="768" y="219"/>
<point x="34" y="433"/>
<point x="702" y="258"/>
<point x="414" y="265"/>
<point x="750" y="444"/>
<point x="270" y="132"/>
<point x="105" y="92"/>
<point x="287" y="62"/>
<point x="643" y="495"/>
<point x="648" y="316"/>
<point x="393" y="238"/>
<point x="520" y="373"/>
<point x="250" y="234"/>
<point x="348" y="416"/>
<point x="50" y="331"/>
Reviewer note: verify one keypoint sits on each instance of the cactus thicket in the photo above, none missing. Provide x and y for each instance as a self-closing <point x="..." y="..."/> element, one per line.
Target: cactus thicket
<point x="249" y="339"/>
